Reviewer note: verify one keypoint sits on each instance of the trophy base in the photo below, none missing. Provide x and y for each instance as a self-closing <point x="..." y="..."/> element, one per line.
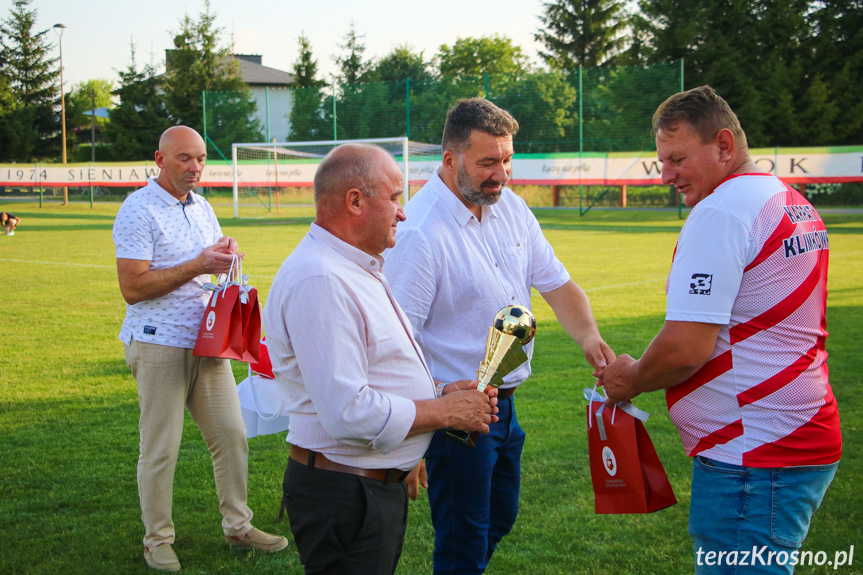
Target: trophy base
<point x="466" y="438"/>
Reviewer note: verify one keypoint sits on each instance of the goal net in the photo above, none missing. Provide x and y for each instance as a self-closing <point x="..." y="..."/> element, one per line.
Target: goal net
<point x="272" y="176"/>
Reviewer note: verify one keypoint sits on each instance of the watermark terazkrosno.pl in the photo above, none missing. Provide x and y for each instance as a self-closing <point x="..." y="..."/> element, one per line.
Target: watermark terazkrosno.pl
<point x="763" y="556"/>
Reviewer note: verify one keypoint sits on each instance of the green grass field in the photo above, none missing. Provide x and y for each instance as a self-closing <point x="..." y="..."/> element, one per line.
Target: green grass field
<point x="68" y="408"/>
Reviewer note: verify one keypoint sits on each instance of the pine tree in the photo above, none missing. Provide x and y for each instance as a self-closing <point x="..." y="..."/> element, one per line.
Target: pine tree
<point x="836" y="52"/>
<point x="754" y="53"/>
<point x="351" y="64"/>
<point x="305" y="67"/>
<point x="197" y="68"/>
<point x="31" y="76"/>
<point x="17" y="135"/>
<point x="305" y="115"/>
<point x="139" y="119"/>
<point x="586" y="33"/>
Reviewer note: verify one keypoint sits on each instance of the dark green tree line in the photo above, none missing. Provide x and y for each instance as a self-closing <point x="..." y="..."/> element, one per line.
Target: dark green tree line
<point x="789" y="68"/>
<point x="141" y="115"/>
<point x="404" y="94"/>
<point x="147" y="103"/>
<point x="785" y="66"/>
<point x="28" y="88"/>
<point x="305" y="115"/>
<point x="587" y="33"/>
<point x="199" y="64"/>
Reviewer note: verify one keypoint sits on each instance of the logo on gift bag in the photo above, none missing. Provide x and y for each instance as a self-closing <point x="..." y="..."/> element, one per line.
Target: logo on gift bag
<point x="608" y="461"/>
<point x="211" y="320"/>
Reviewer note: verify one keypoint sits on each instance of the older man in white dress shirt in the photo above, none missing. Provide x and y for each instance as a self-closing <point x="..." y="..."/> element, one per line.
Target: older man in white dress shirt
<point x="362" y="402"/>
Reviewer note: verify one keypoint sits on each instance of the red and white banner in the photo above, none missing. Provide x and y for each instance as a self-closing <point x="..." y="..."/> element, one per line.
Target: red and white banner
<point x="794" y="165"/>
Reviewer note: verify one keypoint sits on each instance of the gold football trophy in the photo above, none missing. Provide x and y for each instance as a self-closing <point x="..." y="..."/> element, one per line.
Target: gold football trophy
<point x="514" y="327"/>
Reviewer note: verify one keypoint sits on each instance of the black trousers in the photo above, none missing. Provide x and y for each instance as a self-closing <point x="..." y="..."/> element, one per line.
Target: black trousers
<point x="344" y="524"/>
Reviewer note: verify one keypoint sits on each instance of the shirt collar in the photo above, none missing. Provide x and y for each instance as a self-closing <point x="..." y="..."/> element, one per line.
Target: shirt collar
<point x="166" y="197"/>
<point x="458" y="210"/>
<point x="370" y="263"/>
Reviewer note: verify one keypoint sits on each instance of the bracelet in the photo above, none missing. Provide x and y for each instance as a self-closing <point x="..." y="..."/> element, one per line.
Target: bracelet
<point x="439" y="389"/>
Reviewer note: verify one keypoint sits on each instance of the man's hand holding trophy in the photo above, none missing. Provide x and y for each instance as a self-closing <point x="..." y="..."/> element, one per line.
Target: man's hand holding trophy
<point x="514" y="327"/>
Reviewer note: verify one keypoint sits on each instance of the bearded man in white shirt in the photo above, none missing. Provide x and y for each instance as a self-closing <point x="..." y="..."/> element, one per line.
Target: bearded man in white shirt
<point x="469" y="248"/>
<point x="362" y="402"/>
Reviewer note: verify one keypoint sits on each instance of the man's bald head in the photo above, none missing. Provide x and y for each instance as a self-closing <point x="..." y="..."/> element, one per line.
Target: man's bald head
<point x="361" y="166"/>
<point x="358" y="189"/>
<point x="181" y="157"/>
<point x="179" y="135"/>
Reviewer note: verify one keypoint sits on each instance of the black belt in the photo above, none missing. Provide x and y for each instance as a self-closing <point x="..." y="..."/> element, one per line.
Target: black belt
<point x="317" y="460"/>
<point x="505" y="393"/>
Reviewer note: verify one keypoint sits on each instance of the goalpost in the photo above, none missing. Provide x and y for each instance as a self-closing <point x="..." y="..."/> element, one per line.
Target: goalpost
<point x="263" y="171"/>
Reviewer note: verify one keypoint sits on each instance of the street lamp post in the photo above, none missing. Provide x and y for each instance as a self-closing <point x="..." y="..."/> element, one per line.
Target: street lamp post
<point x="58" y="29"/>
<point x="93" y="126"/>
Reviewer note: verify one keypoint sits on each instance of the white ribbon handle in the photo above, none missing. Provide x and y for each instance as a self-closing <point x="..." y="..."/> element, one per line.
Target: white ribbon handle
<point x="216" y="288"/>
<point x="234" y="270"/>
<point x="224" y="281"/>
<point x="592" y="395"/>
<point x="275" y="414"/>
<point x="242" y="280"/>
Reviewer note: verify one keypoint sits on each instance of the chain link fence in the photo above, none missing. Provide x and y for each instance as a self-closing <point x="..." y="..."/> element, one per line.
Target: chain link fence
<point x="585" y="110"/>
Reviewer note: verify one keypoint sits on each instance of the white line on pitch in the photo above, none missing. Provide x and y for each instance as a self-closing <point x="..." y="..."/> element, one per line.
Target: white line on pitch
<point x="56" y="263"/>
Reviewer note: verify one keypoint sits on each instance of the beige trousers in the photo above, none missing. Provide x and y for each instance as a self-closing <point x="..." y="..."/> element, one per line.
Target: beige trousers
<point x="170" y="378"/>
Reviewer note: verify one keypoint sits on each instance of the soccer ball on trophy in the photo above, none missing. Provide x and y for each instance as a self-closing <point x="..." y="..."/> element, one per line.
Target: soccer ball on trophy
<point x="514" y="327"/>
<point x="516" y="320"/>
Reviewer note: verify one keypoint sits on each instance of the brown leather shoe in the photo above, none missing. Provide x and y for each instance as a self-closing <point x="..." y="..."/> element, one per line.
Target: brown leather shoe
<point x="162" y="558"/>
<point x="257" y="539"/>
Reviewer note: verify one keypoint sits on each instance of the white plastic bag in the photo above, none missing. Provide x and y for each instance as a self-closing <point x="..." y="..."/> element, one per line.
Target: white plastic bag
<point x="264" y="410"/>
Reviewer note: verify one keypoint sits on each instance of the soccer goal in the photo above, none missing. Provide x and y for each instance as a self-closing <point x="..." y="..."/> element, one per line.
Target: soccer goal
<point x="269" y="175"/>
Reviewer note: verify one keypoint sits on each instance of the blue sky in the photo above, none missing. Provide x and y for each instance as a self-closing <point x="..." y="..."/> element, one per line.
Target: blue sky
<point x="96" y="40"/>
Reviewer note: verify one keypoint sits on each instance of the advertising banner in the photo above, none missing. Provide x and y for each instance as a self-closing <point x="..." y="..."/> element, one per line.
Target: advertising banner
<point x="794" y="165"/>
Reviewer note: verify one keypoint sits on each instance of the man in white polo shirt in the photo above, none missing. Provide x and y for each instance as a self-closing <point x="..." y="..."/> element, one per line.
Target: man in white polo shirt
<point x="168" y="242"/>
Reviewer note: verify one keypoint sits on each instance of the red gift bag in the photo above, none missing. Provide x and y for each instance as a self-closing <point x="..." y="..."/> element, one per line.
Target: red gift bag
<point x="221" y="332"/>
<point x="264" y="366"/>
<point x="251" y="312"/>
<point x="624" y="467"/>
<point x="231" y="327"/>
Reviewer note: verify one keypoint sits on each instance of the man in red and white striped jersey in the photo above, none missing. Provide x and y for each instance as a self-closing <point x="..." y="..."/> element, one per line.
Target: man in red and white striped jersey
<point x="741" y="354"/>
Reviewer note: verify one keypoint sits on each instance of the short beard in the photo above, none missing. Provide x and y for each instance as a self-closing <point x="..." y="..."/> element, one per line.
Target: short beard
<point x="472" y="194"/>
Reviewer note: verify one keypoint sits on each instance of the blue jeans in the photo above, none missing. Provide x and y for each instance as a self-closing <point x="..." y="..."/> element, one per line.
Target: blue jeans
<point x="474" y="493"/>
<point x="751" y="520"/>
